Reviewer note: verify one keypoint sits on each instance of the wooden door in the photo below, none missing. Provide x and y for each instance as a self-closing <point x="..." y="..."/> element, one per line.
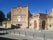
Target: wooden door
<point x="35" y="24"/>
<point x="43" y="25"/>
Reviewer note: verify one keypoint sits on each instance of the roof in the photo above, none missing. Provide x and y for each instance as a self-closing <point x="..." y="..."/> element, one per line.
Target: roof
<point x="19" y="6"/>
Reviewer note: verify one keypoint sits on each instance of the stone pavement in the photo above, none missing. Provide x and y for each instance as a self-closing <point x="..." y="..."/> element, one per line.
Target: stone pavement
<point x="28" y="34"/>
<point x="15" y="36"/>
<point x="21" y="37"/>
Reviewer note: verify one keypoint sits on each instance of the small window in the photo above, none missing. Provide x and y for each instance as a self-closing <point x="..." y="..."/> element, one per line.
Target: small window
<point x="19" y="18"/>
<point x="50" y="25"/>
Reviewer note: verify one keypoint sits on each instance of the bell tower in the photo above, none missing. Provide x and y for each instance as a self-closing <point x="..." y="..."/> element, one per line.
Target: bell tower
<point x="52" y="10"/>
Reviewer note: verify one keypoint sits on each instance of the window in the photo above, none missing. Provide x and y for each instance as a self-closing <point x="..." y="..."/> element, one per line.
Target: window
<point x="18" y="18"/>
<point x="50" y="25"/>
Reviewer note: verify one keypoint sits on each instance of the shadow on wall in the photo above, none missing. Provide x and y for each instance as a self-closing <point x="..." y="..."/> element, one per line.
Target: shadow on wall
<point x="13" y="26"/>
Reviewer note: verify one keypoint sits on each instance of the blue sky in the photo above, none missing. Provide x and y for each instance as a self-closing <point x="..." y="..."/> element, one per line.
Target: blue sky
<point x="34" y="5"/>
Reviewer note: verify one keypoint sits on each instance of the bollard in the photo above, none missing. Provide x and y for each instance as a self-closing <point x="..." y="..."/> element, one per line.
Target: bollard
<point x="44" y="36"/>
<point x="19" y="33"/>
<point x="10" y="31"/>
<point x="33" y="35"/>
<point x="14" y="32"/>
<point x="25" y="33"/>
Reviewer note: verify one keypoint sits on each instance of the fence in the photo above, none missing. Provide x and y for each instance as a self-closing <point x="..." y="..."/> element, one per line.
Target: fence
<point x="35" y="34"/>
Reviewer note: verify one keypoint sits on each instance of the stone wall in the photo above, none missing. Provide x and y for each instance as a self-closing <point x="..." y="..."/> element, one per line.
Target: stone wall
<point x="6" y="24"/>
<point x="19" y="16"/>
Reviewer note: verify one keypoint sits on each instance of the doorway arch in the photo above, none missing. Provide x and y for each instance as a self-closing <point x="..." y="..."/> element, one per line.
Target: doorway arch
<point x="43" y="24"/>
<point x="35" y="24"/>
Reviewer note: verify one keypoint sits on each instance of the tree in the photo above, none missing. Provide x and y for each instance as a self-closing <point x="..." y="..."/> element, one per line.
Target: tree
<point x="2" y="16"/>
<point x="9" y="15"/>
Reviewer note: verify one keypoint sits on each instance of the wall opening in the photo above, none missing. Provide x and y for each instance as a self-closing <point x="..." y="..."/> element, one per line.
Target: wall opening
<point x="35" y="24"/>
<point x="43" y="24"/>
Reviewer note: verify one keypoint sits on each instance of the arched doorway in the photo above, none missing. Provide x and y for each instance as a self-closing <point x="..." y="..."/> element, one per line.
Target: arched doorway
<point x="18" y="25"/>
<point x="43" y="24"/>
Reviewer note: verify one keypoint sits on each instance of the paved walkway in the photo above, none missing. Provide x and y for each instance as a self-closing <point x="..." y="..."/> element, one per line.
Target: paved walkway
<point x="21" y="37"/>
<point x="28" y="35"/>
<point x="17" y="37"/>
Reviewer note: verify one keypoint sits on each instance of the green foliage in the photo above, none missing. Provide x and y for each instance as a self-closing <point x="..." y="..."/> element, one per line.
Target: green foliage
<point x="9" y="15"/>
<point x="2" y="16"/>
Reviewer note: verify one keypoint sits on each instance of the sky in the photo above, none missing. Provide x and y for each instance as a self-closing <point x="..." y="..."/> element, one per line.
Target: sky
<point x="34" y="5"/>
